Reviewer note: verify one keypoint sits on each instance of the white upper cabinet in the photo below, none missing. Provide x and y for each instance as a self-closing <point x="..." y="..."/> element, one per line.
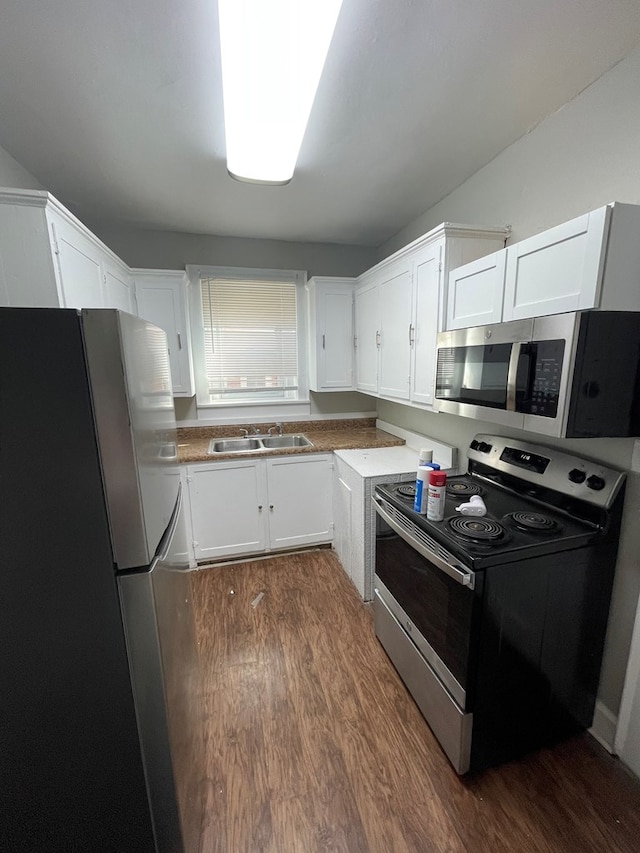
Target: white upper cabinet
<point x="331" y="334"/>
<point x="592" y="261"/>
<point x="426" y="265"/>
<point x="48" y="258"/>
<point x="557" y="271"/>
<point x="367" y="322"/>
<point x="161" y="296"/>
<point x="79" y="263"/>
<point x="396" y="330"/>
<point x="399" y="309"/>
<point x="118" y="286"/>
<point x="475" y="292"/>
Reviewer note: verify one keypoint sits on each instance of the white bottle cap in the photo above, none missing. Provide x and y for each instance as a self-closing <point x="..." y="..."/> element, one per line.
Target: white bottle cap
<point x="426" y="455"/>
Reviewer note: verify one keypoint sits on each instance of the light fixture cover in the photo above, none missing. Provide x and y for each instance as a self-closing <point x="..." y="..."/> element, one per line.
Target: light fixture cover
<point x="273" y="52"/>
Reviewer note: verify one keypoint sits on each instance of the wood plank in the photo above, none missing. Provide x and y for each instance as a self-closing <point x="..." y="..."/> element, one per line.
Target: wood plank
<point x="314" y="744"/>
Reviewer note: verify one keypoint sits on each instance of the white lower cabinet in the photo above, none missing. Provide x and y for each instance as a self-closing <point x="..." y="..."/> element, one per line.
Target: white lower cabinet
<point x="252" y="506"/>
<point x="300" y="506"/>
<point x="228" y="508"/>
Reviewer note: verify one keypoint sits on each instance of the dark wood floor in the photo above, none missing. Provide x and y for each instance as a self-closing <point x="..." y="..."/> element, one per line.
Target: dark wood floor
<point x="313" y="743"/>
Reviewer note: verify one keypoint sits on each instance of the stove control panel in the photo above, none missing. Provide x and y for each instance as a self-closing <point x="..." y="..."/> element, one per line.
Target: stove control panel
<point x="549" y="467"/>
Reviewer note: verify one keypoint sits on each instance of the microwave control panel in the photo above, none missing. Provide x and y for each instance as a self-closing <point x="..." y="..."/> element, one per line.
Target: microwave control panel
<point x="546" y="365"/>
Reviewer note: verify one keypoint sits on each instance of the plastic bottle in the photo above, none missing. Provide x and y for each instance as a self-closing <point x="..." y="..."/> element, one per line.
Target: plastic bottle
<point x="425" y="456"/>
<point x="436" y="495"/>
<point x="422" y="488"/>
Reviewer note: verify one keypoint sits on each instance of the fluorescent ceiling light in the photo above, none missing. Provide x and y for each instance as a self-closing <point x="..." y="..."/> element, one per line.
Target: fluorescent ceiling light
<point x="272" y="54"/>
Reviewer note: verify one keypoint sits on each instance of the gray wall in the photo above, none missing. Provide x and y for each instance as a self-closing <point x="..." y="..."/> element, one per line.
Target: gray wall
<point x="12" y="174"/>
<point x="173" y="250"/>
<point x="583" y="156"/>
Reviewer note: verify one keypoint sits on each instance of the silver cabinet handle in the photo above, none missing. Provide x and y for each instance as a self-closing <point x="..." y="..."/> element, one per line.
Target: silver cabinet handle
<point x="378" y="336"/>
<point x="259" y="507"/>
<point x="179" y="341"/>
<point x="411" y="337"/>
<point x="323" y="341"/>
<point x="271" y="507"/>
<point x="408" y="531"/>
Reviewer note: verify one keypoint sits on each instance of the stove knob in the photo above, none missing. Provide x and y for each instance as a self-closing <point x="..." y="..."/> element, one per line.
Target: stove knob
<point x="484" y="447"/>
<point x="577" y="476"/>
<point x="596" y="483"/>
<point x="475" y="444"/>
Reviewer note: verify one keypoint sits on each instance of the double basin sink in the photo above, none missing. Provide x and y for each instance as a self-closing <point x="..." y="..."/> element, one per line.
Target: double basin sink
<point x="254" y="443"/>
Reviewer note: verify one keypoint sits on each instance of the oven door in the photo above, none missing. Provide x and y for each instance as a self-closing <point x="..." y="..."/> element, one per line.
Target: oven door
<point x="426" y="608"/>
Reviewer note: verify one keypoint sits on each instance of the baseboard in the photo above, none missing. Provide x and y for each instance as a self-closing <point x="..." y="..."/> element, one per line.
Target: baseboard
<point x="604" y="727"/>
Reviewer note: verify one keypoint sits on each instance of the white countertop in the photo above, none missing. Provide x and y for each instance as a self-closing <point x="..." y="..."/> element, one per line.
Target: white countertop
<point x="380" y="461"/>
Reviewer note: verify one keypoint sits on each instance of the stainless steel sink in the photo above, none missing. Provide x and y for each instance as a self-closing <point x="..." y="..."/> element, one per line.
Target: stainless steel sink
<point x="278" y="441"/>
<point x="234" y="445"/>
<point x="251" y="445"/>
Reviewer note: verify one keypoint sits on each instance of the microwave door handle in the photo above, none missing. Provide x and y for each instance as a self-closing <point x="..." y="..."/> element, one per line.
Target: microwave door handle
<point x="461" y="575"/>
<point x="512" y="376"/>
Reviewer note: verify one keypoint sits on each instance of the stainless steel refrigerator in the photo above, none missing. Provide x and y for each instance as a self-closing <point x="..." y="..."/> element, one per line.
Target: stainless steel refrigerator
<point x="101" y="738"/>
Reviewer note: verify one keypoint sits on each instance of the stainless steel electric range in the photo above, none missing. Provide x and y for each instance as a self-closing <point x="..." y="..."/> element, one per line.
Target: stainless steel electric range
<point x="496" y="623"/>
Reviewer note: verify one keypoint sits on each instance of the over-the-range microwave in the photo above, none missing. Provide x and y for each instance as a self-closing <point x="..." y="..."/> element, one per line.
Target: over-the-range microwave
<point x="572" y="375"/>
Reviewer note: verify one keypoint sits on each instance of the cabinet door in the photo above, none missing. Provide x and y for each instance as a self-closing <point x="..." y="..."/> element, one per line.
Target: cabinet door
<point x="117" y="286"/>
<point x="161" y="299"/>
<point x="79" y="266"/>
<point x="367" y="315"/>
<point x="300" y="505"/>
<point x="396" y="332"/>
<point x="474" y="295"/>
<point x="559" y="270"/>
<point x="342" y="511"/>
<point x="426" y="289"/>
<point x="228" y="511"/>
<point x="333" y="336"/>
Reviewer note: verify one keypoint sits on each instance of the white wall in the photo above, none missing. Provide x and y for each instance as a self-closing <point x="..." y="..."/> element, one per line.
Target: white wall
<point x="583" y="156"/>
<point x="12" y="174"/>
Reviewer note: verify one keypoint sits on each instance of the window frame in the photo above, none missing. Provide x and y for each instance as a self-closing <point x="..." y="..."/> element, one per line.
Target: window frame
<point x="299" y="405"/>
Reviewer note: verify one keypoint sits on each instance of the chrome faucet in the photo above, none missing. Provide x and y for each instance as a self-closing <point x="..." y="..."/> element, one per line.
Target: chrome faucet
<point x="276" y="426"/>
<point x="244" y="431"/>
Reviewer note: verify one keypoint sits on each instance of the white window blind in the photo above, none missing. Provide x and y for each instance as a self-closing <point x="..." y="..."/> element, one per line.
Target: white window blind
<point x="250" y="338"/>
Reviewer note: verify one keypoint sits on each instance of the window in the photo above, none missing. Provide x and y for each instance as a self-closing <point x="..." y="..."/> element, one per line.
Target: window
<point x="250" y="337"/>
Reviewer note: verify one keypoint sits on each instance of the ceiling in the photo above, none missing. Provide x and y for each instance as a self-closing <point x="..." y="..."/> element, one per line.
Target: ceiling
<point x="116" y="108"/>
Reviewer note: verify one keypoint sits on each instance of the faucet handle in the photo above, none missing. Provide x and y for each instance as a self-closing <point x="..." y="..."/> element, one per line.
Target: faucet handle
<point x="279" y="427"/>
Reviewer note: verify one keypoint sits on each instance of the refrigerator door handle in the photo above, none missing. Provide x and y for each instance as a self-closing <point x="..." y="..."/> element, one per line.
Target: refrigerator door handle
<point x="165" y="543"/>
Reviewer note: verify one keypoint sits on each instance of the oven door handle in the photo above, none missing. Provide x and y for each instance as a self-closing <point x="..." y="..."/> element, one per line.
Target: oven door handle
<point x="460" y="574"/>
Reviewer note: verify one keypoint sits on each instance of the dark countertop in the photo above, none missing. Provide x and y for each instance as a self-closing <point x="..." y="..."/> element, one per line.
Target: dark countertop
<point x="326" y="436"/>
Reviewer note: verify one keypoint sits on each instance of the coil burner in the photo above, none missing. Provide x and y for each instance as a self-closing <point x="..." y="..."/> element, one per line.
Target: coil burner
<point x="533" y="522"/>
<point x="460" y="489"/>
<point x="481" y="531"/>
<point x="408" y="491"/>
